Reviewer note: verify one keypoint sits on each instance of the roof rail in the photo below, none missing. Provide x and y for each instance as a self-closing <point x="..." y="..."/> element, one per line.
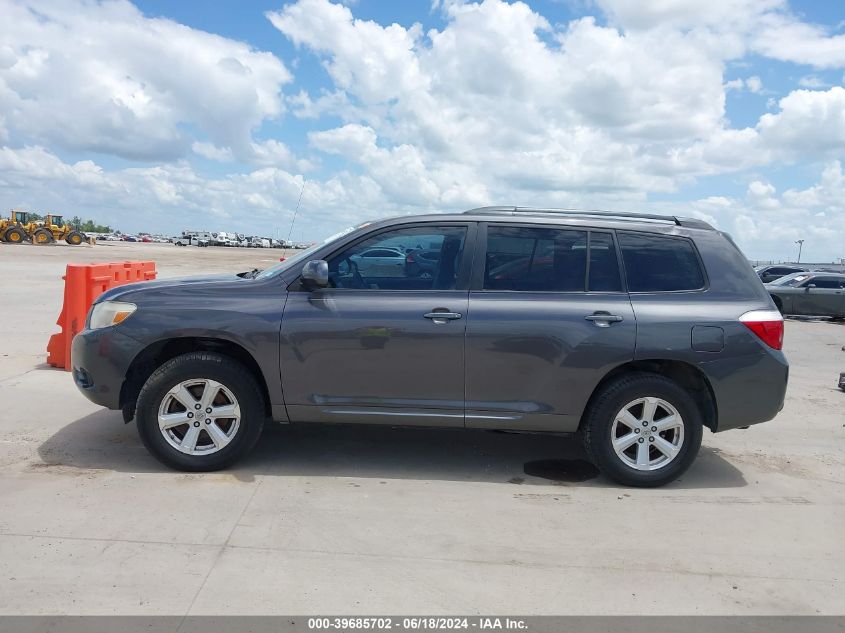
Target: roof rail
<point x="596" y="213"/>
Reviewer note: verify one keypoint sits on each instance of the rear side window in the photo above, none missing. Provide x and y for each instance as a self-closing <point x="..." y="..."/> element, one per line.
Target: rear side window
<point x="657" y="263"/>
<point x="535" y="259"/>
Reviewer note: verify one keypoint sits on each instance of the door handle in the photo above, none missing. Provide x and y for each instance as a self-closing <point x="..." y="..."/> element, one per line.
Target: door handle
<point x="603" y="319"/>
<point x="442" y="317"/>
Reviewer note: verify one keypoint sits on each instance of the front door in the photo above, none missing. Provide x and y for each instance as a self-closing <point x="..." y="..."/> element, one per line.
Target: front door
<point x="825" y="298"/>
<point x="382" y="344"/>
<point x="547" y="320"/>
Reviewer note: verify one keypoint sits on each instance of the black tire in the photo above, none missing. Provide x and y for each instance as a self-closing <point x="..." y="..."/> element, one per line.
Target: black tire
<point x="15" y="235"/>
<point x="201" y="365"/>
<point x="41" y="237"/>
<point x="75" y="238"/>
<point x="598" y="422"/>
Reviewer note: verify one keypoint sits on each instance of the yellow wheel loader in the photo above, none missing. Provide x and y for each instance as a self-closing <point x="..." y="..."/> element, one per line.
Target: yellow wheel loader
<point x="16" y="228"/>
<point x="54" y="229"/>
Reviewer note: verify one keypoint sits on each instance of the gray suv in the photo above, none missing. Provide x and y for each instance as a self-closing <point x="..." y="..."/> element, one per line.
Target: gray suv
<point x="634" y="330"/>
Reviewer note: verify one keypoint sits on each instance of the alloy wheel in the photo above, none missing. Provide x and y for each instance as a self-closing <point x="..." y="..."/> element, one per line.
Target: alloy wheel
<point x="647" y="433"/>
<point x="199" y="416"/>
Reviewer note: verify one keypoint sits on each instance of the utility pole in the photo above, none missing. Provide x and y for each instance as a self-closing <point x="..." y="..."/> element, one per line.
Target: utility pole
<point x="800" y="246"/>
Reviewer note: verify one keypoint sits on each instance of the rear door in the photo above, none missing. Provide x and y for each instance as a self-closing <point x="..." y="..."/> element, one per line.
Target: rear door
<point x="548" y="318"/>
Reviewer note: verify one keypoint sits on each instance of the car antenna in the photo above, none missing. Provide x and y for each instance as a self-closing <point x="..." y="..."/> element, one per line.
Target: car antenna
<point x="295" y="211"/>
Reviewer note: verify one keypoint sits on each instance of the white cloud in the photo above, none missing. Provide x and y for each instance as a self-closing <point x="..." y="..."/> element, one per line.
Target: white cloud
<point x="687" y="14"/>
<point x="378" y="60"/>
<point x="99" y="76"/>
<point x="523" y="107"/>
<point x="212" y="152"/>
<point x="782" y="36"/>
<point x="813" y="81"/>
<point x="765" y="224"/>
<point x="497" y="105"/>
<point x="767" y="27"/>
<point x="754" y="84"/>
<point x="177" y="196"/>
<point x="810" y="123"/>
<point x="489" y="98"/>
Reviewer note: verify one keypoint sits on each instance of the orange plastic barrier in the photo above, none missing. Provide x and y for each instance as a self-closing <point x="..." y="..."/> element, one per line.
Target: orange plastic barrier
<point x="83" y="284"/>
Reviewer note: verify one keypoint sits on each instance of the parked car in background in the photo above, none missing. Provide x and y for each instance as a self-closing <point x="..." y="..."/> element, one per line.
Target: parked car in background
<point x="422" y="262"/>
<point x="194" y="238"/>
<point x="224" y="238"/>
<point x="639" y="332"/>
<point x="810" y="294"/>
<point x="767" y="274"/>
<point x="129" y="238"/>
<point x="379" y="262"/>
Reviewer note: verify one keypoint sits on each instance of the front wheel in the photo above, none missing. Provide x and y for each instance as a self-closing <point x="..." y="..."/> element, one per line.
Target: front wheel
<point x="15" y="235"/>
<point x="75" y="238"/>
<point x="200" y="412"/>
<point x="42" y="236"/>
<point x="643" y="429"/>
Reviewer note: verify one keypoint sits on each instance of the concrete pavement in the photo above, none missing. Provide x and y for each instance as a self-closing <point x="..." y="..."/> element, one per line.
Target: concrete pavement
<point x="381" y="521"/>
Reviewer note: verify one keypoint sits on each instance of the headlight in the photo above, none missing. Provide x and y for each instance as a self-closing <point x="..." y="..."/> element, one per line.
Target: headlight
<point x="110" y="313"/>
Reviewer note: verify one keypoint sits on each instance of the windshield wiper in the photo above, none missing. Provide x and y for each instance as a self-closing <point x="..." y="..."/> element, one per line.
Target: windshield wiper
<point x="252" y="274"/>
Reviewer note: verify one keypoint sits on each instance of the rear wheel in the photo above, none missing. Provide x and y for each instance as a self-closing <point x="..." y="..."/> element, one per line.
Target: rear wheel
<point x="41" y="237"/>
<point x="75" y="238"/>
<point x="15" y="235"/>
<point x="643" y="430"/>
<point x="200" y="412"/>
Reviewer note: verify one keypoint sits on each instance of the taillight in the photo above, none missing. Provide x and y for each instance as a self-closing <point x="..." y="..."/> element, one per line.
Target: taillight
<point x="767" y="325"/>
<point x="409" y="259"/>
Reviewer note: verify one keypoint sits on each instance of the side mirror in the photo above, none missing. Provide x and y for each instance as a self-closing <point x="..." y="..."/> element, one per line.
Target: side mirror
<point x="315" y="274"/>
<point x="808" y="286"/>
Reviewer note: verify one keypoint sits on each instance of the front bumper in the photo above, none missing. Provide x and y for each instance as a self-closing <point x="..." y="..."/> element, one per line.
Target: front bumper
<point x="100" y="360"/>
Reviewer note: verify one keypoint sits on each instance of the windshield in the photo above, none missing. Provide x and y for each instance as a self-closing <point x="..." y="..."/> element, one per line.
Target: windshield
<point x="304" y="255"/>
<point x="795" y="279"/>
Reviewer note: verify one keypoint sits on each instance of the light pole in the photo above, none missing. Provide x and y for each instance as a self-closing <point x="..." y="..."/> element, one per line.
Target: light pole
<point x="800" y="245"/>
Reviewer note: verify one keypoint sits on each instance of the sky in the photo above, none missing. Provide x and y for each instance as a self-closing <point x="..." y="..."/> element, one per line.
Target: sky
<point x="161" y="116"/>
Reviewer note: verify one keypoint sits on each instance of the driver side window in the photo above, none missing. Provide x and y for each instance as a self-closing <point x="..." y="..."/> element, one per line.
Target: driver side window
<point x="415" y="258"/>
<point x="825" y="282"/>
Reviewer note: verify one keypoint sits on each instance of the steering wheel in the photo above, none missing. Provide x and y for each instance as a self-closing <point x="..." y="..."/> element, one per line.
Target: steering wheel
<point x="356" y="275"/>
<point x="357" y="279"/>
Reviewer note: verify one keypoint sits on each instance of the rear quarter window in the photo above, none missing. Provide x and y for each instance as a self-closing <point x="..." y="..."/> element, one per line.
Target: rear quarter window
<point x="658" y="263"/>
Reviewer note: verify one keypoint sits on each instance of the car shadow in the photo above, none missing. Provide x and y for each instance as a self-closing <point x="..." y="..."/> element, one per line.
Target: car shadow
<point x="100" y="441"/>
